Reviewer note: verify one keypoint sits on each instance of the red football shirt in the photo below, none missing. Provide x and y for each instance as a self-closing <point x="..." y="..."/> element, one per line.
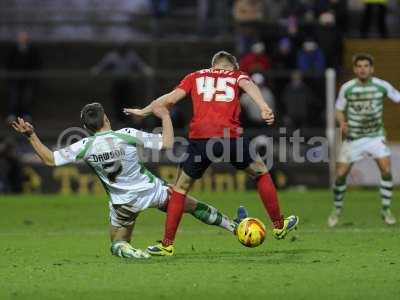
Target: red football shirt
<point x="216" y="106"/>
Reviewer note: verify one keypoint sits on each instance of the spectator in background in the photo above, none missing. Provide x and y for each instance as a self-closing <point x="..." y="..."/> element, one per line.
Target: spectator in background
<point x="310" y="57"/>
<point x="248" y="10"/>
<point x="337" y="7"/>
<point x="330" y="39"/>
<point x="247" y="14"/>
<point x="298" y="12"/>
<point x="159" y="9"/>
<point x="296" y="8"/>
<point x="213" y="17"/>
<point x="297" y="98"/>
<point x="252" y="112"/>
<point x="24" y="59"/>
<point x="122" y="64"/>
<point x="285" y="56"/>
<point x="256" y="60"/>
<point x="369" y="7"/>
<point x="284" y="60"/>
<point x="273" y="10"/>
<point x="11" y="170"/>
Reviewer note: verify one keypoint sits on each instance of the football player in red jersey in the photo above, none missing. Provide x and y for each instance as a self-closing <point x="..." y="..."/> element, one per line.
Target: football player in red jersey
<point x="215" y="128"/>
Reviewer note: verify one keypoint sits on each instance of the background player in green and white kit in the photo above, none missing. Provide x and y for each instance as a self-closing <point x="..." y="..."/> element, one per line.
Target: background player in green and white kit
<point x="131" y="188"/>
<point x="359" y="112"/>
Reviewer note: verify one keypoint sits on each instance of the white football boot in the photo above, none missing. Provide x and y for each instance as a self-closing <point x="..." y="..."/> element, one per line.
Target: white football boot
<point x="388" y="217"/>
<point x="333" y="218"/>
<point x="125" y="250"/>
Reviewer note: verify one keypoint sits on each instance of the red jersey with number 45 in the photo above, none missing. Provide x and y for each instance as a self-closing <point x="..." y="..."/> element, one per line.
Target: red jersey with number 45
<point x="216" y="106"/>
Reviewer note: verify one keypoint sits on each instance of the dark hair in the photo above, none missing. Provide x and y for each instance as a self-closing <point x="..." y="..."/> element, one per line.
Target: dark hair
<point x="92" y="117"/>
<point x="224" y="55"/>
<point x="363" y="56"/>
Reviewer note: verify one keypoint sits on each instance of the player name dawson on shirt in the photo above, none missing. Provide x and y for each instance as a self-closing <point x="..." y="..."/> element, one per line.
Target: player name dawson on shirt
<point x="107" y="155"/>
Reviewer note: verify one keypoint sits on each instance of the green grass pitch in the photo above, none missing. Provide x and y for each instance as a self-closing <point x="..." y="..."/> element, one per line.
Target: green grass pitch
<point x="54" y="247"/>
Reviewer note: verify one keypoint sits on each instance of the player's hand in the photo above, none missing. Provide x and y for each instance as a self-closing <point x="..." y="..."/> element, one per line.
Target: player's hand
<point x="268" y="116"/>
<point x="135" y="112"/>
<point x="159" y="111"/>
<point x="344" y="128"/>
<point x="23" y="127"/>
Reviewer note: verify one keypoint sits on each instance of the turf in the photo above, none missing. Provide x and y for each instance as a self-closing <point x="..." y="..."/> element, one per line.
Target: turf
<point x="54" y="247"/>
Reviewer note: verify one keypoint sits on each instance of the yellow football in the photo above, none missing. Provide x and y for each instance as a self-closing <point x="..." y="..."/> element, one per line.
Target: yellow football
<point x="251" y="232"/>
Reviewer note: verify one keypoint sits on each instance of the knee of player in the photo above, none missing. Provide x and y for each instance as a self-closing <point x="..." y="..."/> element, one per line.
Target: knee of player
<point x="386" y="175"/>
<point x="340" y="179"/>
<point x="181" y="188"/>
<point x="341" y="176"/>
<point x="190" y="204"/>
<point x="257" y="169"/>
<point x="259" y="174"/>
<point x="183" y="184"/>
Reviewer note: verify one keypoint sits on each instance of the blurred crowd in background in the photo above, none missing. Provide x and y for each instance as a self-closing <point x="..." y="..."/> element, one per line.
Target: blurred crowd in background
<point x="72" y="18"/>
<point x="286" y="44"/>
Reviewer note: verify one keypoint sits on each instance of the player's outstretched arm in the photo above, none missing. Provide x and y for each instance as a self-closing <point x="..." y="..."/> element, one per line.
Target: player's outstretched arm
<point x="25" y="128"/>
<point x="254" y="92"/>
<point x="166" y="100"/>
<point x="393" y="94"/>
<point x="168" y="130"/>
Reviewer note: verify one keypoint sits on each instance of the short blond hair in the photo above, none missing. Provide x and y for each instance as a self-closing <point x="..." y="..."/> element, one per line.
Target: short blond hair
<point x="220" y="55"/>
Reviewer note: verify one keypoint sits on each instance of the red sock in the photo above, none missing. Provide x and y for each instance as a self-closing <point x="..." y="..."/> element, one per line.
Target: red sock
<point x="269" y="197"/>
<point x="176" y="205"/>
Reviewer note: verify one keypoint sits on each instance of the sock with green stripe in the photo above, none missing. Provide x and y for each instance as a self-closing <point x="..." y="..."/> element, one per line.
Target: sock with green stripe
<point x="386" y="192"/>
<point x="339" y="190"/>
<point x="212" y="216"/>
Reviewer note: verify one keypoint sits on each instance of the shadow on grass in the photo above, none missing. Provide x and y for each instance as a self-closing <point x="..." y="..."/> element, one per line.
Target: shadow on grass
<point x="244" y="256"/>
<point x="293" y="256"/>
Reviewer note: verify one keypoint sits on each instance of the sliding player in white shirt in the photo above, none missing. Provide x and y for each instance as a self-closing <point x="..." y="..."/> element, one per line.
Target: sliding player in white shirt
<point x="131" y="188"/>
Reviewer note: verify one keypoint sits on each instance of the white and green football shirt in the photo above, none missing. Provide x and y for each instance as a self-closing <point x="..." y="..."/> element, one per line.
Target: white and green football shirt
<point x="362" y="105"/>
<point x="113" y="156"/>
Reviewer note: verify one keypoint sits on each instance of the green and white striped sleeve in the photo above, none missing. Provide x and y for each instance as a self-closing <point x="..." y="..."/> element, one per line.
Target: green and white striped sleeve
<point x="138" y="137"/>
<point x="72" y="153"/>
<point x="392" y="93"/>
<point x="341" y="100"/>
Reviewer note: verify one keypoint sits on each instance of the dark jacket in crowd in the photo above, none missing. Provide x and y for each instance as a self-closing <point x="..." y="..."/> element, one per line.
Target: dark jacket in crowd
<point x="23" y="59"/>
<point x="330" y="41"/>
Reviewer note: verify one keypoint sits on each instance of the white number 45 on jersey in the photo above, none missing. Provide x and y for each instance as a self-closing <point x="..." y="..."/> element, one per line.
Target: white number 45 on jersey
<point x="222" y="91"/>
